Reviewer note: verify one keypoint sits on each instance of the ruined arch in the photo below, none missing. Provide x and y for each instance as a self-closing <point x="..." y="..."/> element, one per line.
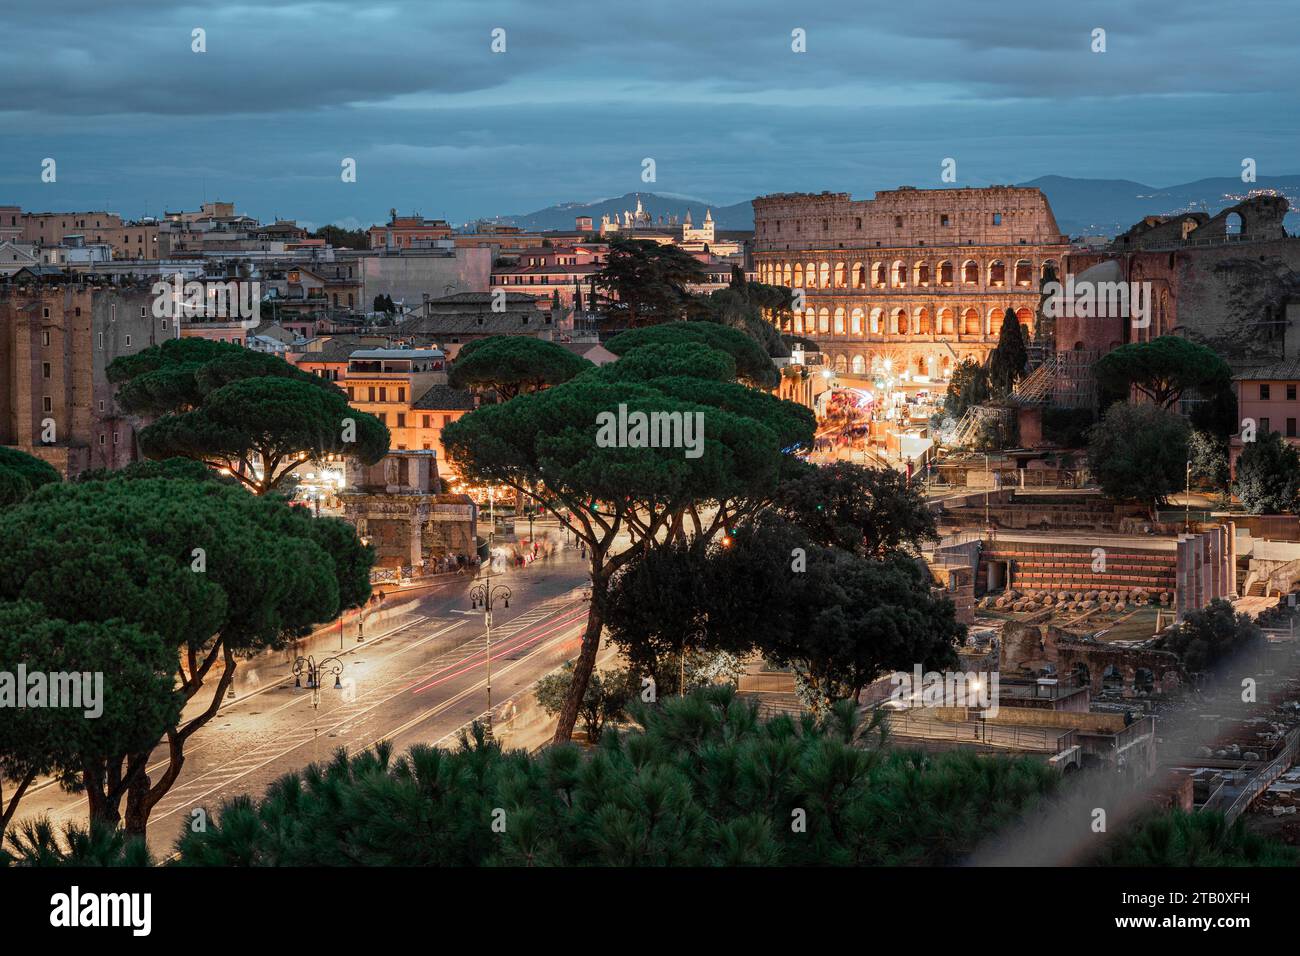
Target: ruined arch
<point x="945" y="272"/>
<point x="855" y="322"/>
<point x="1024" y="273"/>
<point x="858" y="275"/>
<point x="839" y="320"/>
<point x="970" y="272"/>
<point x="921" y="274"/>
<point x="922" y="320"/>
<point x="971" y="322"/>
<point x="878" y="275"/>
<point x="839" y="275"/>
<point x="824" y="320"/>
<point x="944" y="324"/>
<point x="859" y="365"/>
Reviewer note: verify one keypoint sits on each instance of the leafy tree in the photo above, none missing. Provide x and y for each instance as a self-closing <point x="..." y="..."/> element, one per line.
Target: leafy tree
<point x="514" y="364"/>
<point x="545" y="444"/>
<point x="839" y="618"/>
<point x="868" y="511"/>
<point x="184" y="469"/>
<point x="1268" y="475"/>
<point x="608" y="693"/>
<point x="36" y="843"/>
<point x="341" y="238"/>
<point x="1067" y="427"/>
<point x="21" y="474"/>
<point x="1208" y="453"/>
<point x="1008" y="359"/>
<point x="702" y="781"/>
<point x="1202" y="838"/>
<point x="136" y="702"/>
<point x="1212" y="634"/>
<point x="646" y="281"/>
<point x="260" y="429"/>
<point x="1139" y="452"/>
<point x="177" y="375"/>
<point x="207" y="569"/>
<point x="753" y="365"/>
<point x="753" y="308"/>
<point x="969" y="386"/>
<point x="1163" y="369"/>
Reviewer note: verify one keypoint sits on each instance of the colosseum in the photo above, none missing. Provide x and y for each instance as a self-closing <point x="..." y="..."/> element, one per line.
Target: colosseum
<point x="918" y="277"/>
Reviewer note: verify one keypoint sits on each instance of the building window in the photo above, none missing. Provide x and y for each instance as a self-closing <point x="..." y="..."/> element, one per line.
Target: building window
<point x="116" y="438"/>
<point x="401" y="394"/>
<point x="45" y="370"/>
<point x="1290" y="428"/>
<point x="1290" y="393"/>
<point x="383" y="393"/>
<point x="943" y="219"/>
<point x="128" y="341"/>
<point x="101" y="439"/>
<point x="1263" y="426"/>
<point x="1263" y="393"/>
<point x="997" y="219"/>
<point x="47" y="403"/>
<point x="45" y="339"/>
<point x="401" y="419"/>
<point x="425" y="420"/>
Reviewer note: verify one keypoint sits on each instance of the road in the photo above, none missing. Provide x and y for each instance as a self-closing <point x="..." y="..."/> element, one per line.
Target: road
<point x="417" y="678"/>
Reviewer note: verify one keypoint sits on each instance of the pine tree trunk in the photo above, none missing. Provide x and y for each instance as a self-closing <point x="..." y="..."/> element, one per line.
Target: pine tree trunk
<point x="586" y="662"/>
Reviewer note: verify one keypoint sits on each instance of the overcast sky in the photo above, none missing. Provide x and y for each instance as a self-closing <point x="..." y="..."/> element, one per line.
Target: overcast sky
<point x="710" y="89"/>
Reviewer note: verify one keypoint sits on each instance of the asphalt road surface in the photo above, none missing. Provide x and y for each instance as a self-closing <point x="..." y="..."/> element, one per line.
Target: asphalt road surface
<point x="419" y="677"/>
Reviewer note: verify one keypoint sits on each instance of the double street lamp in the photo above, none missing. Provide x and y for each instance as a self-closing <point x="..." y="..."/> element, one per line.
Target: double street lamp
<point x="314" y="673"/>
<point x="484" y="596"/>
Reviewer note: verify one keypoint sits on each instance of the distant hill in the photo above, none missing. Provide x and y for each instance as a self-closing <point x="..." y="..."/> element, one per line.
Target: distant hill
<point x="1108" y="206"/>
<point x="1082" y="206"/>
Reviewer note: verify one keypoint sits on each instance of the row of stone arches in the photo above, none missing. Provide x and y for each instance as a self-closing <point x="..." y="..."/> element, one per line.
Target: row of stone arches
<point x="934" y="365"/>
<point x="994" y="273"/>
<point x="919" y="320"/>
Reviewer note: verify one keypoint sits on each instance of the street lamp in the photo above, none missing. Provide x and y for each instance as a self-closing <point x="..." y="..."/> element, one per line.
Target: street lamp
<point x="1187" y="500"/>
<point x="484" y="596"/>
<point x="314" y="673"/>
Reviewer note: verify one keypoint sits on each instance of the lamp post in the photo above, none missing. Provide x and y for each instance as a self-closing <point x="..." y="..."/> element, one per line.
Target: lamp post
<point x="314" y="672"/>
<point x="484" y="596"/>
<point x="1187" y="500"/>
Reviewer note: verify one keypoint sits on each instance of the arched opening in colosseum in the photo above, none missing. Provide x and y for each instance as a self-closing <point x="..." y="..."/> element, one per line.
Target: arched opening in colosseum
<point x="1233" y="224"/>
<point x="876" y="316"/>
<point x="921" y="274"/>
<point x="970" y="272"/>
<point x="824" y="276"/>
<point x="855" y="322"/>
<point x="945" y="365"/>
<point x="898" y="274"/>
<point x="839" y="275"/>
<point x="922" y="365"/>
<point x="898" y="322"/>
<point x="824" y="320"/>
<point x="810" y="321"/>
<point x="997" y="274"/>
<point x="1026" y="319"/>
<point x="1024" y="273"/>
<point x="810" y="275"/>
<point x="876" y="365"/>
<point x="971" y="323"/>
<point x="788" y="284"/>
<point x="839" y="321"/>
<point x="841" y="363"/>
<point x="878" y="275"/>
<point x="798" y="274"/>
<point x="995" y="321"/>
<point x="859" y="275"/>
<point x="1050" y="270"/>
<point x="945" y="321"/>
<point x="945" y="272"/>
<point x="859" y="365"/>
<point x="923" y="320"/>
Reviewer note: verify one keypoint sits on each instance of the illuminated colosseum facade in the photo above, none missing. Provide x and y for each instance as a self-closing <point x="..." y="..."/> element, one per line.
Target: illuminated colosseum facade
<point x="919" y="277"/>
